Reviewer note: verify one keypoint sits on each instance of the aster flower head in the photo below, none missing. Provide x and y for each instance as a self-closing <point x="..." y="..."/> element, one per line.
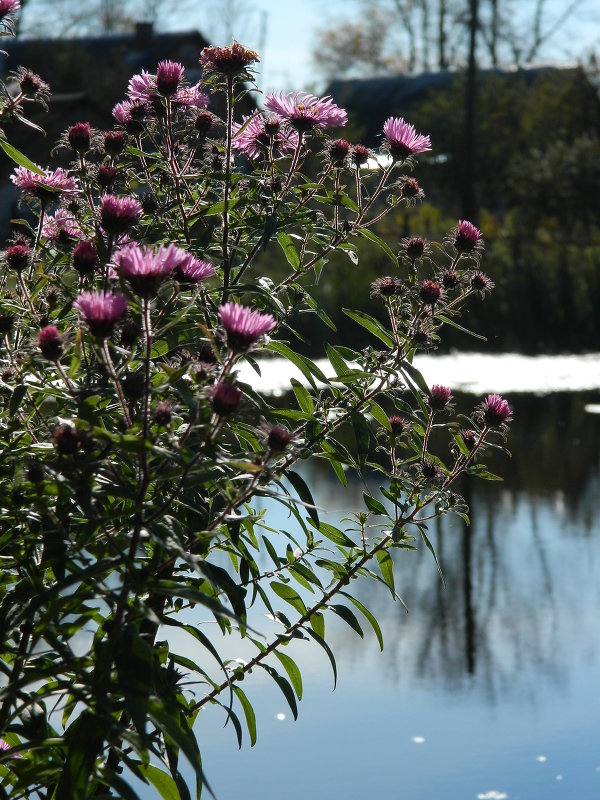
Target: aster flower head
<point x="439" y="397"/>
<point x="50" y="185"/>
<point x="430" y="292"/>
<point x="146" y="269"/>
<point x="243" y="325"/>
<point x="78" y="136"/>
<point x="193" y="270"/>
<point x="84" y="257"/>
<point x="8" y="7"/>
<point x="414" y="246"/>
<point x="469" y="437"/>
<point x="169" y="75"/>
<point x="386" y="287"/>
<point x="101" y="310"/>
<point x="278" y="438"/>
<point x="338" y="151"/>
<point x="360" y="154"/>
<point x="494" y="411"/>
<point x="61" y="227"/>
<point x="481" y="283"/>
<point x="252" y="138"/>
<point x="32" y="86"/>
<point x="114" y="142"/>
<point x="119" y="214"/>
<point x="141" y="87"/>
<point x="203" y="122"/>
<point x="466" y="238"/>
<point x="403" y="140"/>
<point x="17" y="256"/>
<point x="398" y="424"/>
<point x="106" y="175"/>
<point x="66" y="440"/>
<point x="411" y="190"/>
<point x="191" y="96"/>
<point x="130" y="114"/>
<point x="229" y="61"/>
<point x="450" y="279"/>
<point x="225" y="399"/>
<point x="50" y="342"/>
<point x="305" y="112"/>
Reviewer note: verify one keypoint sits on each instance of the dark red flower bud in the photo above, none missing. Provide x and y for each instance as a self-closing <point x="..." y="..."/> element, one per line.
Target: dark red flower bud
<point x="114" y="142"/>
<point x="430" y="292"/>
<point x="50" y="342"/>
<point x="278" y="438"/>
<point x="84" y="257"/>
<point x="66" y="440"/>
<point x="226" y="399"/>
<point x="17" y="257"/>
<point x="106" y="176"/>
<point x="439" y="397"/>
<point x="79" y="136"/>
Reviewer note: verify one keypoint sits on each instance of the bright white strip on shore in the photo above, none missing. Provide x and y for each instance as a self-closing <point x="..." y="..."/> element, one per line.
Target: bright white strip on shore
<point x="474" y="373"/>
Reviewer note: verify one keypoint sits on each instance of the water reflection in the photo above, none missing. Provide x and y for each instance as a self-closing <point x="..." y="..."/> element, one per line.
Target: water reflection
<point x="481" y="679"/>
<point x="516" y="579"/>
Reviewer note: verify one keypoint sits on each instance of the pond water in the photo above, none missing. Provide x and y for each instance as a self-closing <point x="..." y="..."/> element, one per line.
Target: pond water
<point x="487" y="689"/>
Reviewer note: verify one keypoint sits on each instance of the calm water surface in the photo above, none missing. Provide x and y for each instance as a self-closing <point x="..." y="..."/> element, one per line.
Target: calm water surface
<point x="487" y="689"/>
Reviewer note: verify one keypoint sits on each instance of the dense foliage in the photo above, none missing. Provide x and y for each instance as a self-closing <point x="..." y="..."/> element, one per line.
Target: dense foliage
<point x="132" y="458"/>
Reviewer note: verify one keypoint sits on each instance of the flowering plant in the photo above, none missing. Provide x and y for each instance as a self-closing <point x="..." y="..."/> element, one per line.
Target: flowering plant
<point x="133" y="455"/>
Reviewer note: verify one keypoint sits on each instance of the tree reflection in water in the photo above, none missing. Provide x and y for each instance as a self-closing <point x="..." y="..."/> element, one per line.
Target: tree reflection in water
<point x="520" y="603"/>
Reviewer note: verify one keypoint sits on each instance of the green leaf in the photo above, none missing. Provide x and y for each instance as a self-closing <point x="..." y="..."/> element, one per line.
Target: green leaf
<point x="335" y="535"/>
<point x="453" y="324"/>
<point x="362" y="435"/>
<point x="337" y="362"/>
<point x="364" y="610"/>
<point x="133" y="660"/>
<point x="159" y="348"/>
<point x="285" y="687"/>
<point x="415" y="376"/>
<point x="368" y="234"/>
<point x="303" y="397"/>
<point x="379" y="414"/>
<point x="348" y="617"/>
<point x="374" y="505"/>
<point x="293" y="672"/>
<point x="305" y="365"/>
<point x="304" y="494"/>
<point x="320" y="640"/>
<point x="248" y="713"/>
<point x="290" y="596"/>
<point x="371" y="324"/>
<point x="162" y="781"/>
<point x="16" y="398"/>
<point x="386" y="565"/>
<point x="317" y="622"/>
<point x="431" y="549"/>
<point x="18" y="157"/>
<point x="290" y="252"/>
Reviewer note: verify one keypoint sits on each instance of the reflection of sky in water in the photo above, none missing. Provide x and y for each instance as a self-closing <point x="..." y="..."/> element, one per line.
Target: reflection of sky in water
<point x="487" y="689"/>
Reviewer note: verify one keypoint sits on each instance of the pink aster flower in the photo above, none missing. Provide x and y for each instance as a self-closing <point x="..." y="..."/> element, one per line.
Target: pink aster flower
<point x="191" y="96"/>
<point x="495" y="411"/>
<point x="230" y="60"/>
<point x="439" y="397"/>
<point x="146" y="269"/>
<point x="403" y="140"/>
<point x="305" y="111"/>
<point x="244" y="325"/>
<point x="4" y="745"/>
<point x="119" y="214"/>
<point x="169" y="75"/>
<point x="47" y="186"/>
<point x="141" y="87"/>
<point x="9" y="7"/>
<point x="466" y="237"/>
<point x="254" y="135"/>
<point x="61" y="226"/>
<point x="193" y="270"/>
<point x="101" y="310"/>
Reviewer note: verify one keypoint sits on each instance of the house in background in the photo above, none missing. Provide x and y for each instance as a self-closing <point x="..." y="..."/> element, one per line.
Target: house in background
<point x="87" y="77"/>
